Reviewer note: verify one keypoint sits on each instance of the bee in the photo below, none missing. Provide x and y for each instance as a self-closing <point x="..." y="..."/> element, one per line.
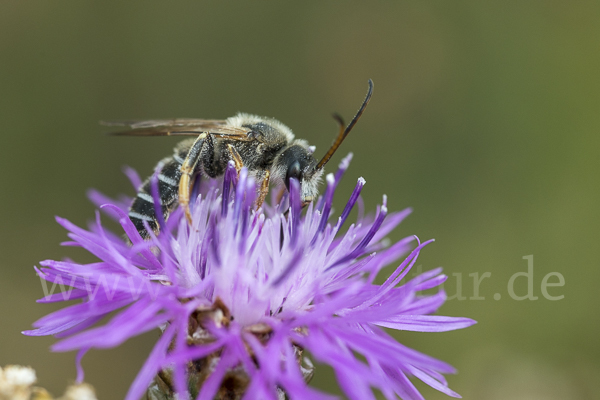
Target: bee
<point x="265" y="146"/>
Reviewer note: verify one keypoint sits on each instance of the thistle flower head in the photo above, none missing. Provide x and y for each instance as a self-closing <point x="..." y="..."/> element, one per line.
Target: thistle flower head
<point x="241" y="295"/>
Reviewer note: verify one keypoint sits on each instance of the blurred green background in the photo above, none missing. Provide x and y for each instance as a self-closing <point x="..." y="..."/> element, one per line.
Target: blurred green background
<point x="484" y="119"/>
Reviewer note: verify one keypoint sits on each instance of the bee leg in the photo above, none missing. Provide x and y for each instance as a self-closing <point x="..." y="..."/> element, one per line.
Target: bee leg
<point x="264" y="189"/>
<point x="187" y="170"/>
<point x="237" y="159"/>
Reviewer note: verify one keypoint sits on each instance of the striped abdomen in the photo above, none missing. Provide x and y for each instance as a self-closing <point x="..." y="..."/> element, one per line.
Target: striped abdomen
<point x="143" y="208"/>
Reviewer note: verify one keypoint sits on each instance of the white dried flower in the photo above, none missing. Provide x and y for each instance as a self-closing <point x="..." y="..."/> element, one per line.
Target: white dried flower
<point x="15" y="382"/>
<point x="80" y="392"/>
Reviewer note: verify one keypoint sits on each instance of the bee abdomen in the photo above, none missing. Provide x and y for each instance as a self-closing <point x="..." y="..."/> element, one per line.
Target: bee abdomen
<point x="143" y="207"/>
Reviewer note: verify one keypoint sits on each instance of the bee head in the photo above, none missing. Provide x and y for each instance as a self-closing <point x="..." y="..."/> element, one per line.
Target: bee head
<point x="297" y="162"/>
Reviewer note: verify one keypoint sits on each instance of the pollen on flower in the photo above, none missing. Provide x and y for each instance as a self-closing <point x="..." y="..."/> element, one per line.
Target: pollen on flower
<point x="247" y="300"/>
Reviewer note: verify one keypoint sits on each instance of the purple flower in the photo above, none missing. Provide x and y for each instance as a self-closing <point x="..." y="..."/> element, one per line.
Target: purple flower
<point x="240" y="295"/>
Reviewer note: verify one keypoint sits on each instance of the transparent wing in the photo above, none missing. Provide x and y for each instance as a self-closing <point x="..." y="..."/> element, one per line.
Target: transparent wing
<point x="178" y="127"/>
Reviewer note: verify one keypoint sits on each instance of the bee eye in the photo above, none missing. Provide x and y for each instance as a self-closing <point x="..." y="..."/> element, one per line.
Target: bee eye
<point x="294" y="171"/>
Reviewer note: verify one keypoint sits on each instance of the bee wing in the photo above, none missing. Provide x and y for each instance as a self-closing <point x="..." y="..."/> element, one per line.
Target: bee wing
<point x="178" y="127"/>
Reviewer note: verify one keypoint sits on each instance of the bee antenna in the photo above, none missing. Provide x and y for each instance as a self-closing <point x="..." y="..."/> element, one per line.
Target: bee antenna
<point x="339" y="120"/>
<point x="345" y="131"/>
